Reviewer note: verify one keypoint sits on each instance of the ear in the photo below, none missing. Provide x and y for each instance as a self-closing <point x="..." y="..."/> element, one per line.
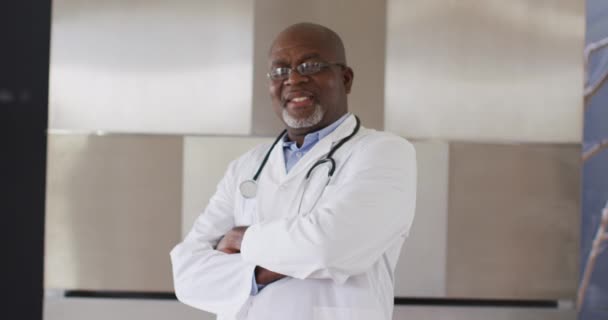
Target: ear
<point x="347" y="77"/>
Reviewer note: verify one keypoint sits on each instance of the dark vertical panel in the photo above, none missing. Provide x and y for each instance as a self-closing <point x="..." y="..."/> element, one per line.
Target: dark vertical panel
<point x="24" y="56"/>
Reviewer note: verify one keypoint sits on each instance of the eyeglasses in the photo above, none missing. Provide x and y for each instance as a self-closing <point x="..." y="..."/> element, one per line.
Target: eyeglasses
<point x="304" y="69"/>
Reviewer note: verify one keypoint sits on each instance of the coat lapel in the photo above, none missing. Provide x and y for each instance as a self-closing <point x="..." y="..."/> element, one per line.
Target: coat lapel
<point x="276" y="164"/>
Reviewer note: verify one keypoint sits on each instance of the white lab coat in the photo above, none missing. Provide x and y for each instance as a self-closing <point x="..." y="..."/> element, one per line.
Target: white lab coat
<point x="339" y="252"/>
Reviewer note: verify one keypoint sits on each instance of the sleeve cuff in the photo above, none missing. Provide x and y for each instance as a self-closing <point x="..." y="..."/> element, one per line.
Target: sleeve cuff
<point x="255" y="287"/>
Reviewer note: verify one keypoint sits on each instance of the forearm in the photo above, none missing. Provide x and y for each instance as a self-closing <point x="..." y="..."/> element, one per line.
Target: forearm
<point x="336" y="241"/>
<point x="297" y="254"/>
<point x="265" y="276"/>
<point x="210" y="280"/>
<point x="231" y="244"/>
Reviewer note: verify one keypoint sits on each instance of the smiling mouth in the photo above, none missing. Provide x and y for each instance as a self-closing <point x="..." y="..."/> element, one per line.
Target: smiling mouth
<point x="298" y="100"/>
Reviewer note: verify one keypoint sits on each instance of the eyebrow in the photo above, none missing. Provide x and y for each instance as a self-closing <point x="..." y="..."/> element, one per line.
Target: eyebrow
<point x="305" y="57"/>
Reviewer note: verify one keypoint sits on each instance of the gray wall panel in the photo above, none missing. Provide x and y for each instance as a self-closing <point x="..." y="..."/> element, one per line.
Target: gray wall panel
<point x="205" y="162"/>
<point x="361" y="24"/>
<point x="144" y="66"/>
<point x="112" y="211"/>
<point x="513" y="221"/>
<point x="489" y="70"/>
<point x="421" y="271"/>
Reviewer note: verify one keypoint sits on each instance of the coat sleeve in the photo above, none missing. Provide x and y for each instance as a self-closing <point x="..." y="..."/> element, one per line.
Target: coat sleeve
<point x="357" y="220"/>
<point x="205" y="278"/>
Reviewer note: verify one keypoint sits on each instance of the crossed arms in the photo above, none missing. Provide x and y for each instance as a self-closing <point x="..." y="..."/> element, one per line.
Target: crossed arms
<point x="231" y="244"/>
<point x="370" y="209"/>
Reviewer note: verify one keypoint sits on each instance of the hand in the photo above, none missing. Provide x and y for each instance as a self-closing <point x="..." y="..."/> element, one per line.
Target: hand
<point x="265" y="276"/>
<point x="231" y="241"/>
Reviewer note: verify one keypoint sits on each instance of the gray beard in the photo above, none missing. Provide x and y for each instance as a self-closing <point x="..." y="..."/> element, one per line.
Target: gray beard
<point x="312" y="120"/>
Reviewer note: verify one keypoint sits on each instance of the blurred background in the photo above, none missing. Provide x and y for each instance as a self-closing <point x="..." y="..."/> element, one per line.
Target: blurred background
<point x="150" y="100"/>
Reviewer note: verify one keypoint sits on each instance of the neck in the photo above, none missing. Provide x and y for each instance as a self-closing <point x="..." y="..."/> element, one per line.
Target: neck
<point x="298" y="137"/>
<point x="298" y="134"/>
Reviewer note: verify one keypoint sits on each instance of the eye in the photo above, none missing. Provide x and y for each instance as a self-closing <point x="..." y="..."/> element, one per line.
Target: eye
<point x="308" y="68"/>
<point x="279" y="73"/>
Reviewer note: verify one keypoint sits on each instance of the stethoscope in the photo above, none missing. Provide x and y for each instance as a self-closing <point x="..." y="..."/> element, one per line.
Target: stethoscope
<point x="249" y="188"/>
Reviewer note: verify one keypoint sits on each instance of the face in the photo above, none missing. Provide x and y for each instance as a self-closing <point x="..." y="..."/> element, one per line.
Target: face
<point x="307" y="103"/>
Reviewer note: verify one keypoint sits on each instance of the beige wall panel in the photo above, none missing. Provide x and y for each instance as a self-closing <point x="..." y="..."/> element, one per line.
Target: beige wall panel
<point x="360" y="23"/>
<point x="205" y="162"/>
<point x="482" y="313"/>
<point x="513" y="222"/>
<point x="112" y="211"/>
<point x="182" y="66"/>
<point x="421" y="269"/>
<point x="489" y="70"/>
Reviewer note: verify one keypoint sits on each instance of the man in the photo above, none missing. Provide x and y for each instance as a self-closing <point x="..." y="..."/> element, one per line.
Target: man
<point x="304" y="239"/>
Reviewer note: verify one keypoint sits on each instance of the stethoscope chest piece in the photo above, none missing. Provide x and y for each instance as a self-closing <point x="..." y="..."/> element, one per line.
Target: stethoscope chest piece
<point x="249" y="189"/>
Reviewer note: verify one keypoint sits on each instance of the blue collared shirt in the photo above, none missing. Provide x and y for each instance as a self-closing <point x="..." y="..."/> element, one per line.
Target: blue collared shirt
<point x="293" y="154"/>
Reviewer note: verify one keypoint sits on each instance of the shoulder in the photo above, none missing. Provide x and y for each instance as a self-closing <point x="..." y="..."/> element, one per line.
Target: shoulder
<point x="383" y="144"/>
<point x="380" y="155"/>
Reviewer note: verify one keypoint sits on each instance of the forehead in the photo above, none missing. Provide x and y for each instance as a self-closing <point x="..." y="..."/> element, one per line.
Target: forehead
<point x="290" y="48"/>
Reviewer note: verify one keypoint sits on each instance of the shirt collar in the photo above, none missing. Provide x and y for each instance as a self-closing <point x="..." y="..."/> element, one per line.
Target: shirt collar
<point x="314" y="137"/>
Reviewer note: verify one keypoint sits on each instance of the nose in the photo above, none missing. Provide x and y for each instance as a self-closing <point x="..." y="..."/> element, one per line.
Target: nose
<point x="295" y="77"/>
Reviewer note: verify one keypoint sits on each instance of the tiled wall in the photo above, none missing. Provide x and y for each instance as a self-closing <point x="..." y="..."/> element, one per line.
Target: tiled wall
<point x="490" y="71"/>
<point x="492" y="220"/>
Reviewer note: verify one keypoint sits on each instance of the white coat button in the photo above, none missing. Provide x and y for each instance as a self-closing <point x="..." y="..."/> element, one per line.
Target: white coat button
<point x="299" y="154"/>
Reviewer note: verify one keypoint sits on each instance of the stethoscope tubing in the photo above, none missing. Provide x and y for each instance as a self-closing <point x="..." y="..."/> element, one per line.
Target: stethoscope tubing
<point x="263" y="164"/>
<point x="249" y="187"/>
<point x="329" y="156"/>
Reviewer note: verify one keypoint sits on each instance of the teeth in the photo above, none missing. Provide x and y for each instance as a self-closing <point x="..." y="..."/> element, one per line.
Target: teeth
<point x="299" y="99"/>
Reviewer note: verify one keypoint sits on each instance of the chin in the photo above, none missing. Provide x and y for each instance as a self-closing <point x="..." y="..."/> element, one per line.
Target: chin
<point x="305" y="122"/>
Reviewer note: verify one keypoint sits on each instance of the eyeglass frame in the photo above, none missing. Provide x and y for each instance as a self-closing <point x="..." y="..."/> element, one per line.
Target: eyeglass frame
<point x="324" y="65"/>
